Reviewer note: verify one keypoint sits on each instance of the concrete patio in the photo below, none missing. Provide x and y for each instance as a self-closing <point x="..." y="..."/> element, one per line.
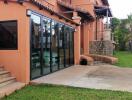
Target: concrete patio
<point x="101" y="76"/>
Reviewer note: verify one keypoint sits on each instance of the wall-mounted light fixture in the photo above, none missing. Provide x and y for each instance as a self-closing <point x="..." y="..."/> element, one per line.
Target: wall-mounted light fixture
<point x="75" y="30"/>
<point x="29" y="12"/>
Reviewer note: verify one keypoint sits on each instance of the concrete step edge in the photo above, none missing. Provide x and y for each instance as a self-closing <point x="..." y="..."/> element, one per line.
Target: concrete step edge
<point x="1" y="66"/>
<point x="7" y="79"/>
<point x="4" y="72"/>
<point x="10" y="88"/>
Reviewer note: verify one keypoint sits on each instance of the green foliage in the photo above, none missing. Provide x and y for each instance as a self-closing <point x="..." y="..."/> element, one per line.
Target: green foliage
<point x="50" y="92"/>
<point x="122" y="29"/>
<point x="115" y="22"/>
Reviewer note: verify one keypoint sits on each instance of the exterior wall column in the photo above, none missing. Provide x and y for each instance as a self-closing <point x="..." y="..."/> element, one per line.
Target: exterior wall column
<point x="86" y="38"/>
<point x="77" y="39"/>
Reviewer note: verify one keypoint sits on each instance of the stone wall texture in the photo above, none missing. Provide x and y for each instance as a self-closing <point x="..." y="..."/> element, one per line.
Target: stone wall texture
<point x="101" y="47"/>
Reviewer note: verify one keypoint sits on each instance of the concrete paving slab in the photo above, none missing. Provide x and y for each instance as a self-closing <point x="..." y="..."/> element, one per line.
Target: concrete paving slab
<point x="101" y="76"/>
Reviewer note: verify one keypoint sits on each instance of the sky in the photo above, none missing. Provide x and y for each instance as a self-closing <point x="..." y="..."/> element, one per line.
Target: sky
<point x="121" y="8"/>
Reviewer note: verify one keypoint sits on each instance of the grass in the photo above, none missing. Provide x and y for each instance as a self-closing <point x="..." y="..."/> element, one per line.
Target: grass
<point x="50" y="92"/>
<point x="125" y="59"/>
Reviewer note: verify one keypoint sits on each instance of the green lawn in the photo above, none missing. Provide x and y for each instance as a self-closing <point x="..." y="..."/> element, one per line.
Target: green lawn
<point x="125" y="59"/>
<point x="49" y="92"/>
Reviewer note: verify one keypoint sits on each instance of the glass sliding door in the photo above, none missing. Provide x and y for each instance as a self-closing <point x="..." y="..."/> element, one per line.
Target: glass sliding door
<point x="61" y="46"/>
<point x="35" y="46"/>
<point x="52" y="45"/>
<point x="67" y="44"/>
<point x="46" y="45"/>
<point x="71" y="45"/>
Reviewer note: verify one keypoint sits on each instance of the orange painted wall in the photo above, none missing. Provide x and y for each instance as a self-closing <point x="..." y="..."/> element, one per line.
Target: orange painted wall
<point x="17" y="61"/>
<point x="84" y="4"/>
<point x="86" y="38"/>
<point x="77" y="46"/>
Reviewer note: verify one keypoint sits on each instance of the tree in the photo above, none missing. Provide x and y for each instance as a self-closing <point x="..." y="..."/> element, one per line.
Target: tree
<point x="115" y="22"/>
<point x="122" y="30"/>
<point x="129" y="37"/>
<point x="129" y="22"/>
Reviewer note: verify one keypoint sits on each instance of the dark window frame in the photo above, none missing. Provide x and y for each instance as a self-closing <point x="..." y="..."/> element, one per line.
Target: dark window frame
<point x="15" y="48"/>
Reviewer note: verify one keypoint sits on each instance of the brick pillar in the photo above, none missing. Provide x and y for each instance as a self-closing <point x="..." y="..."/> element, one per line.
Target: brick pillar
<point x="77" y="40"/>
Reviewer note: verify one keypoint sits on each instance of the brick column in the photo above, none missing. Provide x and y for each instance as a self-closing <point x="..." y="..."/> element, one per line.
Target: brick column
<point x="77" y="41"/>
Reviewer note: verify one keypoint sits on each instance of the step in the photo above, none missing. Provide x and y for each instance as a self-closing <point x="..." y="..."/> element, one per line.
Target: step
<point x="1" y="67"/>
<point x="98" y="62"/>
<point x="10" y="88"/>
<point x="6" y="81"/>
<point x="4" y="74"/>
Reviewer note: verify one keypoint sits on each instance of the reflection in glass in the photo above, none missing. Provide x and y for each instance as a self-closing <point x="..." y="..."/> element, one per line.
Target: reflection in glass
<point x="46" y="45"/>
<point x="8" y="35"/>
<point x="52" y="46"/>
<point x="71" y="45"/>
<point x="61" y="46"/>
<point x="35" y="55"/>
<point x="67" y="48"/>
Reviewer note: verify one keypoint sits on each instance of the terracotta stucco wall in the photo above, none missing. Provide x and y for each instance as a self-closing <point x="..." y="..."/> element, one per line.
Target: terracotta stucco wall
<point x="17" y="61"/>
<point x="84" y="4"/>
<point x="86" y="38"/>
<point x="92" y="31"/>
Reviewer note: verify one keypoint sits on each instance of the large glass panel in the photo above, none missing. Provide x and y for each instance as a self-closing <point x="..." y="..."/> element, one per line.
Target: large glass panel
<point x="8" y="35"/>
<point x="46" y="38"/>
<point x="54" y="46"/>
<point x="71" y="46"/>
<point x="61" y="46"/>
<point x="67" y="45"/>
<point x="35" y="47"/>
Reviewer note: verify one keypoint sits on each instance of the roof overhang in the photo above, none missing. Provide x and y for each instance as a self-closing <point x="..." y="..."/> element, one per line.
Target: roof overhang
<point x="35" y="2"/>
<point x="84" y="14"/>
<point x="103" y="11"/>
<point x="42" y="7"/>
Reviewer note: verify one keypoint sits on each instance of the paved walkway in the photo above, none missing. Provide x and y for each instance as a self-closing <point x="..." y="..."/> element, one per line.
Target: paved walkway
<point x="102" y="76"/>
